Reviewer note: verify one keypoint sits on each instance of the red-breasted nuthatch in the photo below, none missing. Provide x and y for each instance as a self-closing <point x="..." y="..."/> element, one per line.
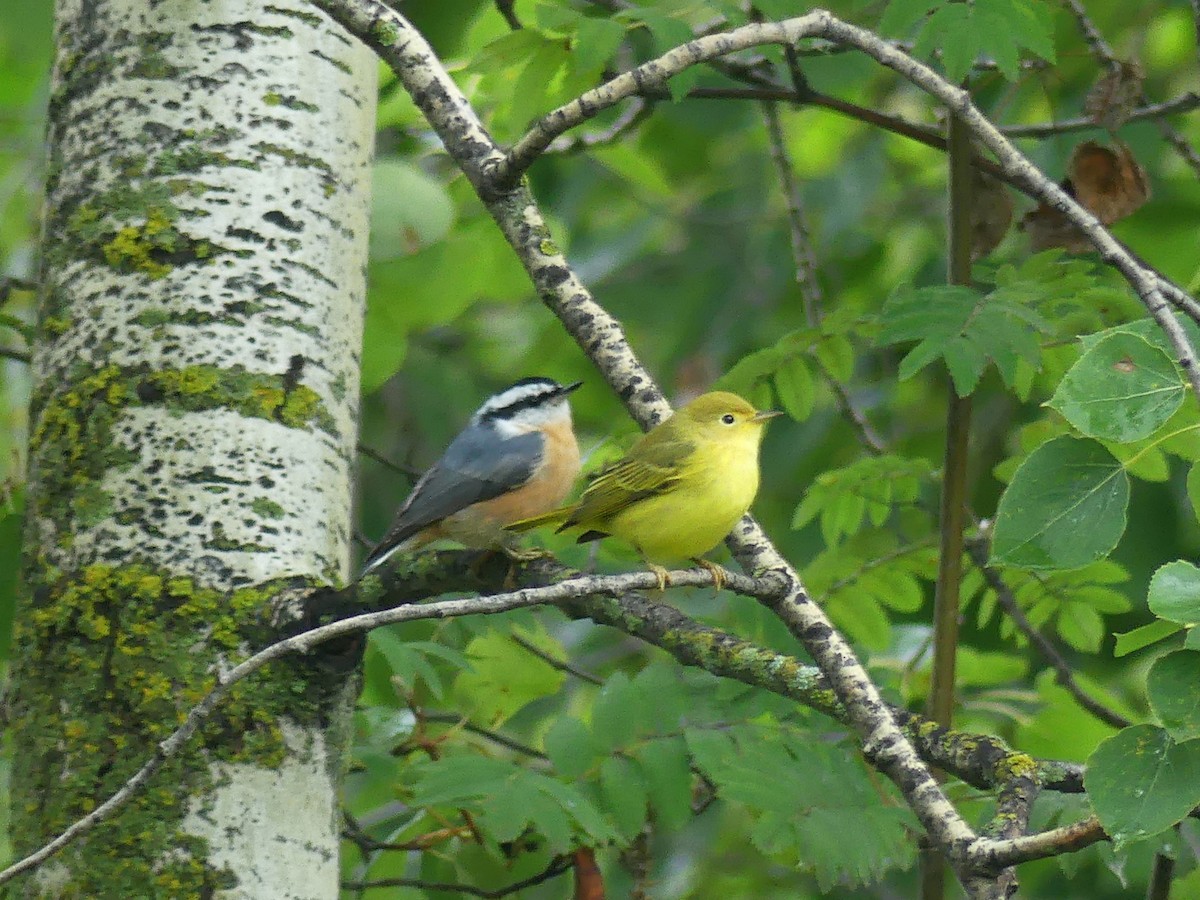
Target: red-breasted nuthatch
<point x="516" y="458"/>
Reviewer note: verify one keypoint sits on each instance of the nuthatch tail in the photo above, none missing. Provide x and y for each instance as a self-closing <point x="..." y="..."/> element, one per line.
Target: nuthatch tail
<point x="516" y="458"/>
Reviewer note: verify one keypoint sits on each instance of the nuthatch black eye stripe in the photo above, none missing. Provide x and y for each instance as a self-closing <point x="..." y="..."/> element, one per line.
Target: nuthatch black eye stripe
<point x="526" y="394"/>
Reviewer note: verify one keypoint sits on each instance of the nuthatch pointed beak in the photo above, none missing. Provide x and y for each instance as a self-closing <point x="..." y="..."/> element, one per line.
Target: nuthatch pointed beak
<point x="570" y="388"/>
<point x="766" y="415"/>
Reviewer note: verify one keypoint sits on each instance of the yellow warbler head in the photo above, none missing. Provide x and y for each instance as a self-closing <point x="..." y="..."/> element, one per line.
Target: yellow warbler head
<point x="722" y="416"/>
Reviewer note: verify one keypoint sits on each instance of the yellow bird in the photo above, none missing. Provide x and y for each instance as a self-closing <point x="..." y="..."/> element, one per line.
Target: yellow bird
<point x="679" y="490"/>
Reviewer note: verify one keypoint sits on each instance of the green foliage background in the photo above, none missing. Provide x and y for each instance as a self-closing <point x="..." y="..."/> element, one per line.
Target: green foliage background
<point x="679" y="227"/>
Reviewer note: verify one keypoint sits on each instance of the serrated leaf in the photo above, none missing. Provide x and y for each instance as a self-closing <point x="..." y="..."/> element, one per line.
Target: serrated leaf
<point x="1144" y="636"/>
<point x="959" y="39"/>
<point x="505" y="676"/>
<point x="1121" y="389"/>
<point x="1064" y="508"/>
<point x="1173" y="686"/>
<point x="570" y="746"/>
<point x="613" y="719"/>
<point x="623" y="787"/>
<point x="1175" y="592"/>
<point x="901" y="15"/>
<point x="1141" y="782"/>
<point x="664" y="762"/>
<point x="596" y="41"/>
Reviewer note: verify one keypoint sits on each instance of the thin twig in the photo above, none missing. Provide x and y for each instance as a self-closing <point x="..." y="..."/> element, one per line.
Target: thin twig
<point x="17" y="355"/>
<point x="1181" y="104"/>
<point x="561" y="665"/>
<point x="802" y="252"/>
<point x="1064" y="675"/>
<point x="1106" y="56"/>
<point x="458" y="721"/>
<point x="558" y="866"/>
<point x="402" y="469"/>
<point x="629" y="119"/>
<point x="505" y="8"/>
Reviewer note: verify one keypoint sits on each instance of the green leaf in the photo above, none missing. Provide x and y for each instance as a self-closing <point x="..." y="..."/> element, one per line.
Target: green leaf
<point x="1141" y="782"/>
<point x="959" y="39"/>
<point x="505" y="677"/>
<point x="901" y="15"/>
<point x="570" y="746"/>
<point x="794" y="386"/>
<point x="1064" y="508"/>
<point x="1121" y="389"/>
<point x="623" y="787"/>
<point x="595" y="43"/>
<point x="1175" y="593"/>
<point x="1173" y="685"/>
<point x="668" y="780"/>
<point x="957" y="324"/>
<point x="1144" y="636"/>
<point x="613" y="720"/>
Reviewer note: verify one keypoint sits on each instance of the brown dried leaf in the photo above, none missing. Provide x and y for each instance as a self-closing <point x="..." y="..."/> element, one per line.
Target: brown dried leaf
<point x="1115" y="95"/>
<point x="1047" y="227"/>
<point x="1108" y="182"/>
<point x="991" y="214"/>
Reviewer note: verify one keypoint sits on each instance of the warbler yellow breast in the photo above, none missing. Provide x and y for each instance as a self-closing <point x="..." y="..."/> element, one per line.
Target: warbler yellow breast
<point x="680" y="489"/>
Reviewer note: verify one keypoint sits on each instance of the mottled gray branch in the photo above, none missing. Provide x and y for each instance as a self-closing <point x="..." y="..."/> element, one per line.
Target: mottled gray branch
<point x="1011" y="852"/>
<point x="649" y="75"/>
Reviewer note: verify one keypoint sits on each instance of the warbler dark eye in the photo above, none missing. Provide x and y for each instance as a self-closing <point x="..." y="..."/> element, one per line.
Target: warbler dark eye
<point x="727" y="418"/>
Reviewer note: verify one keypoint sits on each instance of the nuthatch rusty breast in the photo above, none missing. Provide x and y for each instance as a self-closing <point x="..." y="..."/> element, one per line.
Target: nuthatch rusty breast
<point x="516" y="458"/>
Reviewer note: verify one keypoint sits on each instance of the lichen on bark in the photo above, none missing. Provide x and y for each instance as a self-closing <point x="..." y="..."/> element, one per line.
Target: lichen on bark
<point x="192" y="439"/>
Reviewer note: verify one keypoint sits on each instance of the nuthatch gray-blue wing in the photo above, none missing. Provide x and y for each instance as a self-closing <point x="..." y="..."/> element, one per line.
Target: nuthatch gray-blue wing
<point x="516" y="458"/>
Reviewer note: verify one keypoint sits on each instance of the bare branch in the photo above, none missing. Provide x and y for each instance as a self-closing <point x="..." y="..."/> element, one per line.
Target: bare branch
<point x="558" y="866"/>
<point x="802" y="252"/>
<point x="629" y="119"/>
<point x="1063" y="674"/>
<point x="559" y="664"/>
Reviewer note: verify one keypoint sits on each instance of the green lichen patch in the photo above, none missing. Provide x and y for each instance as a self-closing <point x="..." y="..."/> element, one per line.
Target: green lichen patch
<point x="267" y="509"/>
<point x="193" y="158"/>
<point x="253" y="394"/>
<point x="74" y="441"/>
<point x="150" y="62"/>
<point x="110" y="661"/>
<point x="131" y="227"/>
<point x="273" y="98"/>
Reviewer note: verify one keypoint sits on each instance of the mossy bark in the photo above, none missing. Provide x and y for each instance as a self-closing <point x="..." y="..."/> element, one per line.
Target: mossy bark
<point x="193" y="430"/>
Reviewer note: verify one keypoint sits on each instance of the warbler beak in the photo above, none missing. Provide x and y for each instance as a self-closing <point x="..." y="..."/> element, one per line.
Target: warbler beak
<point x="570" y="388"/>
<point x="766" y="415"/>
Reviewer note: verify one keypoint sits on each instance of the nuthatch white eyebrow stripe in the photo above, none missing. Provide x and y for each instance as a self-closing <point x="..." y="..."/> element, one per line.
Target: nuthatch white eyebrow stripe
<point x="517" y="457"/>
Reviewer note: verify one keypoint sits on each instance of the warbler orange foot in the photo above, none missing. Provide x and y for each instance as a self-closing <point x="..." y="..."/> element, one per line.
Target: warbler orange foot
<point x="663" y="576"/>
<point x="720" y="576"/>
<point x="517" y="555"/>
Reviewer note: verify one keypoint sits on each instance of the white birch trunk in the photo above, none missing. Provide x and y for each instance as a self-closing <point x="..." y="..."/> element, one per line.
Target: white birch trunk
<point x="194" y="420"/>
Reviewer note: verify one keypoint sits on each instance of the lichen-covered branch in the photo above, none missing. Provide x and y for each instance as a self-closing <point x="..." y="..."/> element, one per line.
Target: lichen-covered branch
<point x="305" y="641"/>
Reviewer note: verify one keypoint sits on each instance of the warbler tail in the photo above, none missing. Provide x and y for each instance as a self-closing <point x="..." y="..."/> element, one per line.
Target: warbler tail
<point x="554" y="517"/>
